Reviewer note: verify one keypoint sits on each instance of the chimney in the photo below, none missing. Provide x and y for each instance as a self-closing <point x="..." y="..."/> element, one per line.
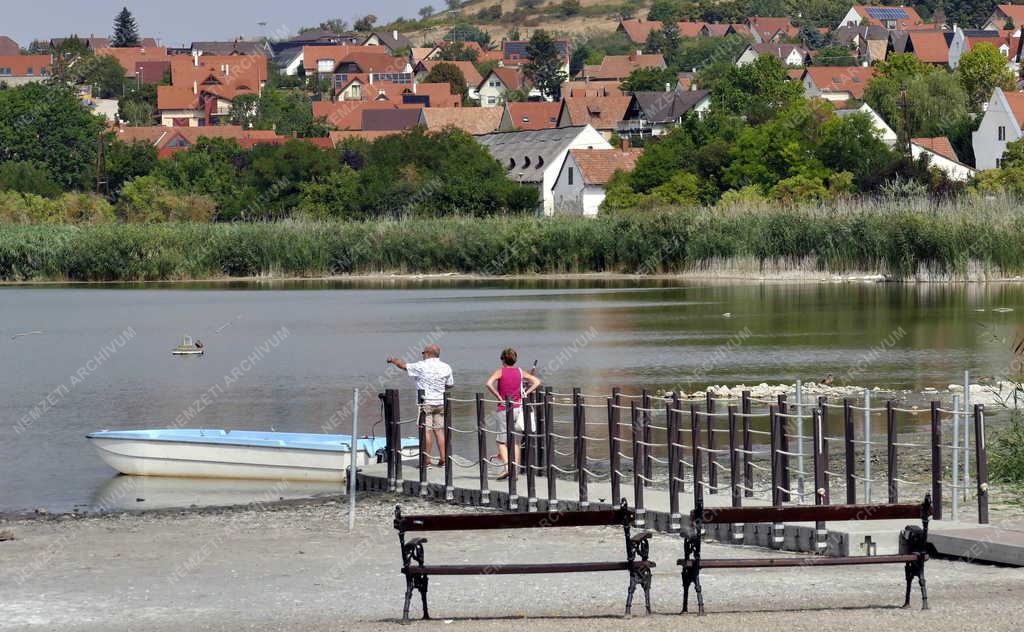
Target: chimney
<point x="625" y="144"/>
<point x="394" y="35"/>
<point x="195" y="87"/>
<point x="668" y="87"/>
<point x="195" y="58"/>
<point x="414" y="87"/>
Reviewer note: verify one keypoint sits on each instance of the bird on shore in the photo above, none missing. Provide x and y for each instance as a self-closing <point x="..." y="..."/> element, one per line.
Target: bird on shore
<point x="827" y="381"/>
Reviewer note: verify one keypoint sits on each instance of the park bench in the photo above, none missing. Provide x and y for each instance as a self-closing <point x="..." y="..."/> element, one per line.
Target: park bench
<point x="417" y="575"/>
<point x="913" y="540"/>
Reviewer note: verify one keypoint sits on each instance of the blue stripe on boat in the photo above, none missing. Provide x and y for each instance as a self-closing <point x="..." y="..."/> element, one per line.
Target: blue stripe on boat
<point x="251" y="438"/>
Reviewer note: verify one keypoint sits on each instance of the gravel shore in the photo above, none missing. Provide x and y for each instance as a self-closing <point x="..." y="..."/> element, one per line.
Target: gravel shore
<point x="296" y="566"/>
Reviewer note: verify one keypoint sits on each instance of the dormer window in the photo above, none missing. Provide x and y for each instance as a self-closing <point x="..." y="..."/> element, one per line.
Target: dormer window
<point x="511" y="163"/>
<point x="526" y="162"/>
<point x="540" y="161"/>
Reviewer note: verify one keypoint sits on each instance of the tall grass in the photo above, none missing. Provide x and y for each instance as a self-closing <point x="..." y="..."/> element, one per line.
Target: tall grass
<point x="902" y="239"/>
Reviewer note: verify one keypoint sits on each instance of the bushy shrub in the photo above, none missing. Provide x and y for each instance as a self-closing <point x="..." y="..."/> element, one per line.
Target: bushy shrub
<point x="145" y="200"/>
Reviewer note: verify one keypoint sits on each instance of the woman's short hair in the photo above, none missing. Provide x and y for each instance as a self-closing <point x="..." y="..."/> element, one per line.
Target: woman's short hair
<point x="509" y="356"/>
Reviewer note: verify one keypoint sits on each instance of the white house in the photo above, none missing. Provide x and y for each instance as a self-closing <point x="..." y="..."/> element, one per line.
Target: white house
<point x="579" y="187"/>
<point x="790" y="54"/>
<point x="492" y="89"/>
<point x="534" y="157"/>
<point x="882" y="129"/>
<point x="942" y="156"/>
<point x="1000" y="125"/>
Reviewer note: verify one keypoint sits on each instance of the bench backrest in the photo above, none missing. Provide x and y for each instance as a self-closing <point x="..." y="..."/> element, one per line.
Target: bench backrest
<point x="456" y="522"/>
<point x="810" y="513"/>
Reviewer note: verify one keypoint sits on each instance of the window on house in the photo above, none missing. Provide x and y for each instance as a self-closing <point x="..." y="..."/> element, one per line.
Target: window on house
<point x="494" y="83"/>
<point x="1002" y="132"/>
<point x="492" y="100"/>
<point x="5" y="71"/>
<point x="325" y="65"/>
<point x="29" y="72"/>
<point x="570" y="175"/>
<point x="999" y="163"/>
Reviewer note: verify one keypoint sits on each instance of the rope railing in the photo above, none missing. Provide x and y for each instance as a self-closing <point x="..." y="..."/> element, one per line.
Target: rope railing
<point x="737" y="447"/>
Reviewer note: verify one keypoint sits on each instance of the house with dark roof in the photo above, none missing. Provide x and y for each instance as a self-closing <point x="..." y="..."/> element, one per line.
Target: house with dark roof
<point x="391" y="119"/>
<point x="579" y="185"/>
<point x="534" y="157"/>
<point x="656" y="113"/>
<point x="393" y="41"/>
<point x="348" y="115"/>
<point x="500" y="80"/>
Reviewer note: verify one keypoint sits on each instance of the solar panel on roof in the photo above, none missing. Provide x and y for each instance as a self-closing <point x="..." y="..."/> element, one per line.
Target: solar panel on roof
<point x="887" y="13"/>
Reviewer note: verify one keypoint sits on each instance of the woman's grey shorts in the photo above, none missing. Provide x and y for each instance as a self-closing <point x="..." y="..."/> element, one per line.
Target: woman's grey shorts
<point x="499" y="422"/>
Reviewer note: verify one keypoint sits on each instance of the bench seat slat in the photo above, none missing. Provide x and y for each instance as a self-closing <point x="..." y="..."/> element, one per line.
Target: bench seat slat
<point x="523" y="569"/>
<point x="522" y="520"/>
<point x="808" y="513"/>
<point x="802" y="561"/>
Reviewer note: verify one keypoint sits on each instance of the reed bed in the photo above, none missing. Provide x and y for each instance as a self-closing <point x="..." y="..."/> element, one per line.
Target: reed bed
<point x="905" y="239"/>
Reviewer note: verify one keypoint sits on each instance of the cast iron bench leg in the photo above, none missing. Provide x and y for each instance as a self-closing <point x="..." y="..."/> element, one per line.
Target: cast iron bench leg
<point x="924" y="591"/>
<point x="632" y="589"/>
<point x="645" y="583"/>
<point x="686" y="588"/>
<point x="908" y="570"/>
<point x="408" y="598"/>
<point x="421" y="584"/>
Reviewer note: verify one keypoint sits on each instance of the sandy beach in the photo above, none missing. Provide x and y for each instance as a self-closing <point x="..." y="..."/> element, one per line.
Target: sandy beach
<point x="295" y="566"/>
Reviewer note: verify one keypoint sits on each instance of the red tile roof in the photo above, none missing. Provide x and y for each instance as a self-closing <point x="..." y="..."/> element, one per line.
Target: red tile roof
<point x="366" y="58"/>
<point x="618" y="67"/>
<point x="349" y="114"/>
<point x="639" y="30"/>
<point x="336" y="137"/>
<point x="160" y="136"/>
<point x="852" y="79"/>
<point x="470" y="120"/>
<point x="603" y="113"/>
<point x="513" y="78"/>
<point x="690" y="29"/>
<point x="1016" y="103"/>
<point x="533" y="116"/>
<point x="469" y="70"/>
<point x="591" y="89"/>
<point x="939" y="145"/>
<point x="767" y="28"/>
<point x="929" y="46"/>
<point x="8" y="46"/>
<point x="19" y="65"/>
<point x="597" y="166"/>
<point x="1013" y="11"/>
<point x="129" y="58"/>
<point x="912" y="20"/>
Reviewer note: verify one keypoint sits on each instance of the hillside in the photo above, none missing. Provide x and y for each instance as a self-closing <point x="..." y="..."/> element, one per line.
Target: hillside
<point x="594" y="15"/>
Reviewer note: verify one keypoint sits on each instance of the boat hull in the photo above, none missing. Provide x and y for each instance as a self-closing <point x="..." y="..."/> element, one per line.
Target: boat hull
<point x="167" y="456"/>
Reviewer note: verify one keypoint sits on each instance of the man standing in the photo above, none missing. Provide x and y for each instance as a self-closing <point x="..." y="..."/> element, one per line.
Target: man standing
<point x="433" y="377"/>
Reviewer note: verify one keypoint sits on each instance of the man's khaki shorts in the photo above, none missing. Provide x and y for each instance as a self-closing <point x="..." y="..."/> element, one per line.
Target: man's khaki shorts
<point x="433" y="417"/>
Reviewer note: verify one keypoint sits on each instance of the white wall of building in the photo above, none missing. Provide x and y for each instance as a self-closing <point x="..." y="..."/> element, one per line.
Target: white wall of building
<point x="954" y="170"/>
<point x="998" y="127"/>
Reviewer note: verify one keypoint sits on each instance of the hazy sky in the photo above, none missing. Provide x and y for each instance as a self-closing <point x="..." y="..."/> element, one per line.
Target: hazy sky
<point x="179" y="22"/>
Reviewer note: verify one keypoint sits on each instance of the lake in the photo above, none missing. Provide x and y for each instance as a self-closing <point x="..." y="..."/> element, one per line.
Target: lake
<point x="285" y="355"/>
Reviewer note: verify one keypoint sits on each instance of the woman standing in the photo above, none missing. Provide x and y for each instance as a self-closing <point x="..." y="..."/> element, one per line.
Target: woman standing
<point x="507" y="384"/>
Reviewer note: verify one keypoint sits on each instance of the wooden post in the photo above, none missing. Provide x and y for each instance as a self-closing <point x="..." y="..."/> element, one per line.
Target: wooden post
<point x="851" y="459"/>
<point x="582" y="435"/>
<point x="784" y="447"/>
<point x="709" y="408"/>
<point x="980" y="462"/>
<point x="734" y="460"/>
<point x="748" y="446"/>
<point x="638" y="488"/>
<point x="826" y="454"/>
<point x="577" y="437"/>
<point x="481" y="446"/>
<point x="541" y="420"/>
<point x="698" y="475"/>
<point x="645" y="398"/>
<point x="549" y="447"/>
<point x="891" y="440"/>
<point x="424" y="457"/>
<point x="936" y="461"/>
<point x="530" y="453"/>
<point x="672" y="425"/>
<point x="820" y="478"/>
<point x="389" y="437"/>
<point x="396" y="427"/>
<point x="511" y="441"/>
<point x="613" y="449"/>
<point x="449" y="464"/>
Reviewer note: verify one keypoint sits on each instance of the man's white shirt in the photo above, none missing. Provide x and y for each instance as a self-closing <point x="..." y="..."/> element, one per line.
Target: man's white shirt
<point x="432" y="376"/>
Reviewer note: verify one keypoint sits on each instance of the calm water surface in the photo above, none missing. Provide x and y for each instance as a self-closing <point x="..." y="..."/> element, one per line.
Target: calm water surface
<point x="591" y="334"/>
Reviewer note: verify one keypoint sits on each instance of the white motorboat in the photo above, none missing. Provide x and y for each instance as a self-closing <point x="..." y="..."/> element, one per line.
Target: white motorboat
<point x="243" y="454"/>
<point x="189" y="347"/>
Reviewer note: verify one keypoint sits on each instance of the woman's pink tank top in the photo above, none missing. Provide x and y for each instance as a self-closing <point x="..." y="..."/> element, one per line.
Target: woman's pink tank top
<point x="510" y="386"/>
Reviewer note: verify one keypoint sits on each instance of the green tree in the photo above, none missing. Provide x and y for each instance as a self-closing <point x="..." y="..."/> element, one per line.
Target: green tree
<point x="136" y="113"/>
<point x="981" y="71"/>
<point x="450" y="74"/>
<point x="126" y="161"/>
<point x="936" y="102"/>
<point x="28" y="177"/>
<point x="569" y="8"/>
<point x="126" y="33"/>
<point x="851" y="143"/>
<point x="757" y="91"/>
<point x="835" y="55"/>
<point x="648" y="79"/>
<point x="1014" y="154"/>
<point x="667" y="42"/>
<point x="105" y="74"/>
<point x="47" y="125"/>
<point x="426" y="11"/>
<point x="365" y="23"/>
<point x="674" y="152"/>
<point x="457" y="51"/>
<point x="335" y="195"/>
<point x="776" y="150"/>
<point x="465" y="32"/>
<point x="667" y="11"/>
<point x="545" y="67"/>
<point x="286" y="110"/>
